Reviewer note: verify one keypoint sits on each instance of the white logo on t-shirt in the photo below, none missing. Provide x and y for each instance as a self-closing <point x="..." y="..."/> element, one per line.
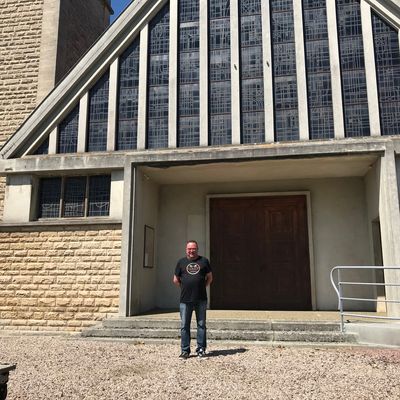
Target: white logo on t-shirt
<point x="193" y="268"/>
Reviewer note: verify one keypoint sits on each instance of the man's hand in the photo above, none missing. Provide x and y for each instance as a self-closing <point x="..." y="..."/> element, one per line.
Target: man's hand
<point x="209" y="279"/>
<point x="177" y="281"/>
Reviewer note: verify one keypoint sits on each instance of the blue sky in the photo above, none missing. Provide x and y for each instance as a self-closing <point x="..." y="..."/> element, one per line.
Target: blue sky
<point x="118" y="6"/>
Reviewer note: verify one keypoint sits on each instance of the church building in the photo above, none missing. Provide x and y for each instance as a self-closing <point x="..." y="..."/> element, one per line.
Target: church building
<point x="266" y="130"/>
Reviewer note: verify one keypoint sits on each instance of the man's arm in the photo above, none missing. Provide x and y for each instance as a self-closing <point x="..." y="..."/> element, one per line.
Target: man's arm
<point x="177" y="281"/>
<point x="209" y="279"/>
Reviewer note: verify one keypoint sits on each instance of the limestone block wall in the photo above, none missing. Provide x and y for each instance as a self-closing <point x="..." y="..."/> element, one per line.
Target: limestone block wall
<point x="53" y="279"/>
<point x="20" y="32"/>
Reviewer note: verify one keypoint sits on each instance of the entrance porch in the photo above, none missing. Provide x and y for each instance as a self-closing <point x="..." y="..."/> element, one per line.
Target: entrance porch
<point x="170" y="204"/>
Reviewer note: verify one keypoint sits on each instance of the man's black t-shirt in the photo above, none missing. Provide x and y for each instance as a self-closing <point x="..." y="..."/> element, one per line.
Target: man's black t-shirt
<point x="192" y="274"/>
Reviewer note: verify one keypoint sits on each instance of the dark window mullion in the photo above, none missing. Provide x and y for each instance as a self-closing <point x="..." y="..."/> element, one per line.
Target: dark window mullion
<point x="63" y="179"/>
<point x="85" y="213"/>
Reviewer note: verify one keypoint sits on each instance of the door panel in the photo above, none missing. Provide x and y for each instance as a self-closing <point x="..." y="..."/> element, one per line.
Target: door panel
<point x="259" y="253"/>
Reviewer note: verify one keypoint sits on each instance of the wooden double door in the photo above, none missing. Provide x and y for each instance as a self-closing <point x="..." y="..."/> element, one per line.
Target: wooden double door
<point x="260" y="253"/>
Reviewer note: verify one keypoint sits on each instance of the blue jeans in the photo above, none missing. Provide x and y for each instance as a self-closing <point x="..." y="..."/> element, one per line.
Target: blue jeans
<point x="186" y="311"/>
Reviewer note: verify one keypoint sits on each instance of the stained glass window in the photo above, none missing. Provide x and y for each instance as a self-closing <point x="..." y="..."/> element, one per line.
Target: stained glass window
<point x="49" y="198"/>
<point x="98" y="115"/>
<point x="354" y="86"/>
<point x="252" y="83"/>
<point x="220" y="126"/>
<point x="74" y="197"/>
<point x="128" y="97"/>
<point x="284" y="70"/>
<point x="158" y="78"/>
<point x="43" y="147"/>
<point x="387" y="59"/>
<point x="188" y="87"/>
<point x="68" y="133"/>
<point x="318" y="70"/>
<point x="99" y="195"/>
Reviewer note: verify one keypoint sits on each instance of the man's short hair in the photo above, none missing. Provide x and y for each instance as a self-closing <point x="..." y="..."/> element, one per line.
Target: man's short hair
<point x="192" y="241"/>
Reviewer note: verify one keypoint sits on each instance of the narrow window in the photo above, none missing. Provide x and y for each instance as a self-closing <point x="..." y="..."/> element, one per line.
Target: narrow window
<point x="74" y="197"/>
<point x="220" y="125"/>
<point x="318" y="70"/>
<point x="49" y="198"/>
<point x="99" y="196"/>
<point x="189" y="91"/>
<point x="68" y="133"/>
<point x="98" y="115"/>
<point x="252" y="83"/>
<point x="284" y="71"/>
<point x="158" y="79"/>
<point x="128" y="97"/>
<point x="354" y="84"/>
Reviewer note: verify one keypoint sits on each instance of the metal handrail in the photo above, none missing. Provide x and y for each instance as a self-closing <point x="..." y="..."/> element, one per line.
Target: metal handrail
<point x="340" y="284"/>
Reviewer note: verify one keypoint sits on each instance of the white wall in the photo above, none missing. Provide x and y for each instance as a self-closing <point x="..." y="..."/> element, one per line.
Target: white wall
<point x="339" y="224"/>
<point x="146" y="213"/>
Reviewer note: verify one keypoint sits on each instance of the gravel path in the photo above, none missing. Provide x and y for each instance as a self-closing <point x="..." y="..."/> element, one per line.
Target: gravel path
<point x="73" y="368"/>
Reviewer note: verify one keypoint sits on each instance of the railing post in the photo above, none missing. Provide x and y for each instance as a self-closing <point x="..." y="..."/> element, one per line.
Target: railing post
<point x="340" y="302"/>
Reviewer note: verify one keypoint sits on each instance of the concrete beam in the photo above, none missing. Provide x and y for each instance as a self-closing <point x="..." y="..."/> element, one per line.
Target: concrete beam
<point x="65" y="163"/>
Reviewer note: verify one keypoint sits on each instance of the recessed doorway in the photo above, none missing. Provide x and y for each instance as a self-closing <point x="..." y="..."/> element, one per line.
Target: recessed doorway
<point x="260" y="253"/>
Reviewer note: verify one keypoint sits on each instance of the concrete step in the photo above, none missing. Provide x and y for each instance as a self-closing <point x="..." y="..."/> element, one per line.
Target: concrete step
<point x="215" y="334"/>
<point x="136" y="323"/>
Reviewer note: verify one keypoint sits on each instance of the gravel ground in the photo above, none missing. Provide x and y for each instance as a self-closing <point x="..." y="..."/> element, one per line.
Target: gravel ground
<point x="74" y="368"/>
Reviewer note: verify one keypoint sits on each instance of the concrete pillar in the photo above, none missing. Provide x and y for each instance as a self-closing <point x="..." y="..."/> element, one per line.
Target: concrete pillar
<point x="370" y="70"/>
<point x="142" y="92"/>
<point x="235" y="72"/>
<point x="389" y="213"/>
<point x="83" y="122"/>
<point x="117" y="194"/>
<point x="336" y="78"/>
<point x="268" y="73"/>
<point x="301" y="71"/>
<point x="173" y="73"/>
<point x="53" y="141"/>
<point x="203" y="25"/>
<point x="128" y="217"/>
<point x="112" y="106"/>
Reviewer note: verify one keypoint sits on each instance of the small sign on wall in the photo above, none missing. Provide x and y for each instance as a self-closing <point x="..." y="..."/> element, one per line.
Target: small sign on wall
<point x="148" y="254"/>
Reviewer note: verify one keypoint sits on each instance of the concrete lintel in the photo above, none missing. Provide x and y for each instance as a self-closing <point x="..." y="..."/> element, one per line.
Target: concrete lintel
<point x="59" y="164"/>
<point x="66" y="163"/>
<point x="254" y="152"/>
<point x="63" y="223"/>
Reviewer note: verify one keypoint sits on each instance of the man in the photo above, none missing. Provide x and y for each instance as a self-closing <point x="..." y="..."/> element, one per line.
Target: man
<point x="193" y="274"/>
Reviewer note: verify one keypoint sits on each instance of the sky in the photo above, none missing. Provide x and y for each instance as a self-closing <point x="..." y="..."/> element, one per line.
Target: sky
<point x="118" y="6"/>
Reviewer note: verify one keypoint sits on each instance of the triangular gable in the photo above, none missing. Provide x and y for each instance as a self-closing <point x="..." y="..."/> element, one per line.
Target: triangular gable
<point x="82" y="77"/>
<point x="97" y="61"/>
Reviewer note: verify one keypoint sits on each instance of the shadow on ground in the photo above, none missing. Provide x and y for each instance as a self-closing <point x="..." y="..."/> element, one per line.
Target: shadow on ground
<point x="226" y="352"/>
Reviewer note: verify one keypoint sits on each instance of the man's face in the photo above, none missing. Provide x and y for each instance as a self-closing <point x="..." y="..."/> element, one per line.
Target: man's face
<point x="191" y="251"/>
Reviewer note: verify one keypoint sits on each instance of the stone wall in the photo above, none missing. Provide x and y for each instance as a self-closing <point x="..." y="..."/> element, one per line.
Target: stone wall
<point x="53" y="279"/>
<point x="20" y="32"/>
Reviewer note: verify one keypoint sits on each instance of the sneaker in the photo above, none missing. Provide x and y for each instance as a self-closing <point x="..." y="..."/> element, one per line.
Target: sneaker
<point x="201" y="353"/>
<point x="184" y="355"/>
